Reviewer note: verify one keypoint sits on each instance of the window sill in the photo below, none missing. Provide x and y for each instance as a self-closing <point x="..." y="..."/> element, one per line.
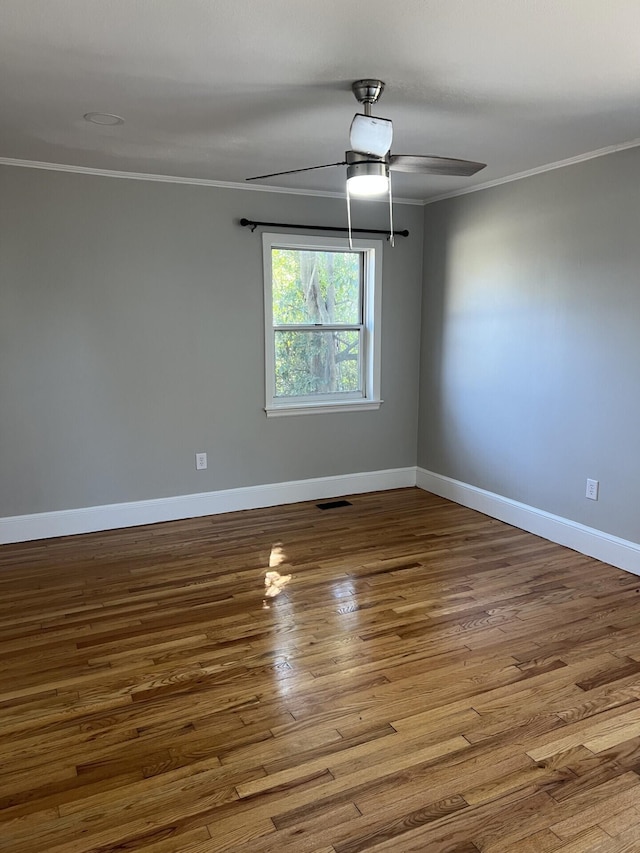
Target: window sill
<point x="322" y="408"/>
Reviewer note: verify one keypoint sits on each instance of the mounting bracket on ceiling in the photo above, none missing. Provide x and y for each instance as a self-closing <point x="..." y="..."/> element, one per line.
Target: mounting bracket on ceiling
<point x="367" y="92"/>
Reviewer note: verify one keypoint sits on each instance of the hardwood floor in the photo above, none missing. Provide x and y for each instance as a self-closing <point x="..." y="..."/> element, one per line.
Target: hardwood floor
<point x="427" y="679"/>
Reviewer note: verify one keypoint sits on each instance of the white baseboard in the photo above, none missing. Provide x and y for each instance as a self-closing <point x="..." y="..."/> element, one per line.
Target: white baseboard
<point x="45" y="525"/>
<point x="587" y="540"/>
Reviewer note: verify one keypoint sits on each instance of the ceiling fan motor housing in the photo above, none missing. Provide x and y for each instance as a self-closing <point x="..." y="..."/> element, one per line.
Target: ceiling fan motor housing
<point x="366" y="164"/>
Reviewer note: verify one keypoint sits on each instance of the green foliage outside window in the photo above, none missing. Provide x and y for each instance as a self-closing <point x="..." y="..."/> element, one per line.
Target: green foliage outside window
<point x="316" y="289"/>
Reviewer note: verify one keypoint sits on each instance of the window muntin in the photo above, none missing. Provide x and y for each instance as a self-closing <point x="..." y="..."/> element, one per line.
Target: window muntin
<point x="322" y="306"/>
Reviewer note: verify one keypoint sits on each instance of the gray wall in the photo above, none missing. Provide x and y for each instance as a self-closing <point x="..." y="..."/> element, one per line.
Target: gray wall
<point x="131" y="336"/>
<point x="530" y="363"/>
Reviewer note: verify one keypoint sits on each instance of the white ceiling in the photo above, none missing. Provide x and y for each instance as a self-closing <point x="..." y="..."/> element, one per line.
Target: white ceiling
<point x="225" y="89"/>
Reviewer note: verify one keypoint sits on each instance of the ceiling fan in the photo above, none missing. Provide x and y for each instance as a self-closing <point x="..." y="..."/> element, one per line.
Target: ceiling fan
<point x="369" y="162"/>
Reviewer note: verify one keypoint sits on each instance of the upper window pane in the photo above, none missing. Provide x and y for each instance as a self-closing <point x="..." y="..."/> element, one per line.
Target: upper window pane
<point x="311" y="287"/>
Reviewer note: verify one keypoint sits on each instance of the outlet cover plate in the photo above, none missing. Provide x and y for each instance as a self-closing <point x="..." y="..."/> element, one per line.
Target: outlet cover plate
<point x="201" y="461"/>
<point x="592" y="489"/>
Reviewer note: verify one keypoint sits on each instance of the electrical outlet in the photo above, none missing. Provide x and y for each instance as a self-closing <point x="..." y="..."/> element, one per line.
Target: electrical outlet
<point x="201" y="461"/>
<point x="592" y="490"/>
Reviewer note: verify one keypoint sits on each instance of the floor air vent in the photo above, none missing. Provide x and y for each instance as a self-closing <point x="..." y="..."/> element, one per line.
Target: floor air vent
<point x="333" y="505"/>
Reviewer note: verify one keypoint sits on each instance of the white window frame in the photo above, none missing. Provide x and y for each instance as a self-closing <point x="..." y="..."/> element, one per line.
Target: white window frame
<point x="369" y="397"/>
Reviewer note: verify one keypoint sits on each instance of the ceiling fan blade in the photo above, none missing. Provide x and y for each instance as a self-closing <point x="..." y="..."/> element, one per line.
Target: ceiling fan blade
<point x="293" y="171"/>
<point x="429" y="165"/>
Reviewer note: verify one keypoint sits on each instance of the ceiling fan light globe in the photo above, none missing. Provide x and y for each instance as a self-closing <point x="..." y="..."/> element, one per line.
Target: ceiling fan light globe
<point x="371" y="135"/>
<point x="365" y="186"/>
<point x="366" y="177"/>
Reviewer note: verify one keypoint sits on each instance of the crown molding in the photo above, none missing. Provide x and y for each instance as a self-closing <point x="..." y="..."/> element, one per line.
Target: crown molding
<point x="176" y="179"/>
<point x="230" y="185"/>
<point x="549" y="167"/>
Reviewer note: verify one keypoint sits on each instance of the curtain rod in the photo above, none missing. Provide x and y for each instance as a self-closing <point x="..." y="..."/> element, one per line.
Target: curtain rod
<point x="251" y="223"/>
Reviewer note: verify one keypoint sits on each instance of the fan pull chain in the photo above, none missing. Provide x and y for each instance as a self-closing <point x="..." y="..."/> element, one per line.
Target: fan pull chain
<point x="349" y="216"/>
<point x="392" y="238"/>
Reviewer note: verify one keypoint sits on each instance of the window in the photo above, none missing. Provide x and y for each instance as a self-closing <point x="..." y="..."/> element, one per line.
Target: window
<point x="322" y="324"/>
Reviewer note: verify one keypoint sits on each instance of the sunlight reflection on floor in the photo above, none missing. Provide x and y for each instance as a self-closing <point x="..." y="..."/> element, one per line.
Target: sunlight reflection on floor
<point x="285" y="643"/>
<point x="274" y="582"/>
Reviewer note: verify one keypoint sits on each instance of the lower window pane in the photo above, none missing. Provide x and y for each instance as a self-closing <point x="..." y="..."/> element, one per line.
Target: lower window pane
<point x="317" y="362"/>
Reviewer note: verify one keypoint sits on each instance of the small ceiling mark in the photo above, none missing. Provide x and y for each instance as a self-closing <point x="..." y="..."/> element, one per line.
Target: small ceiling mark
<point x="103" y="118"/>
